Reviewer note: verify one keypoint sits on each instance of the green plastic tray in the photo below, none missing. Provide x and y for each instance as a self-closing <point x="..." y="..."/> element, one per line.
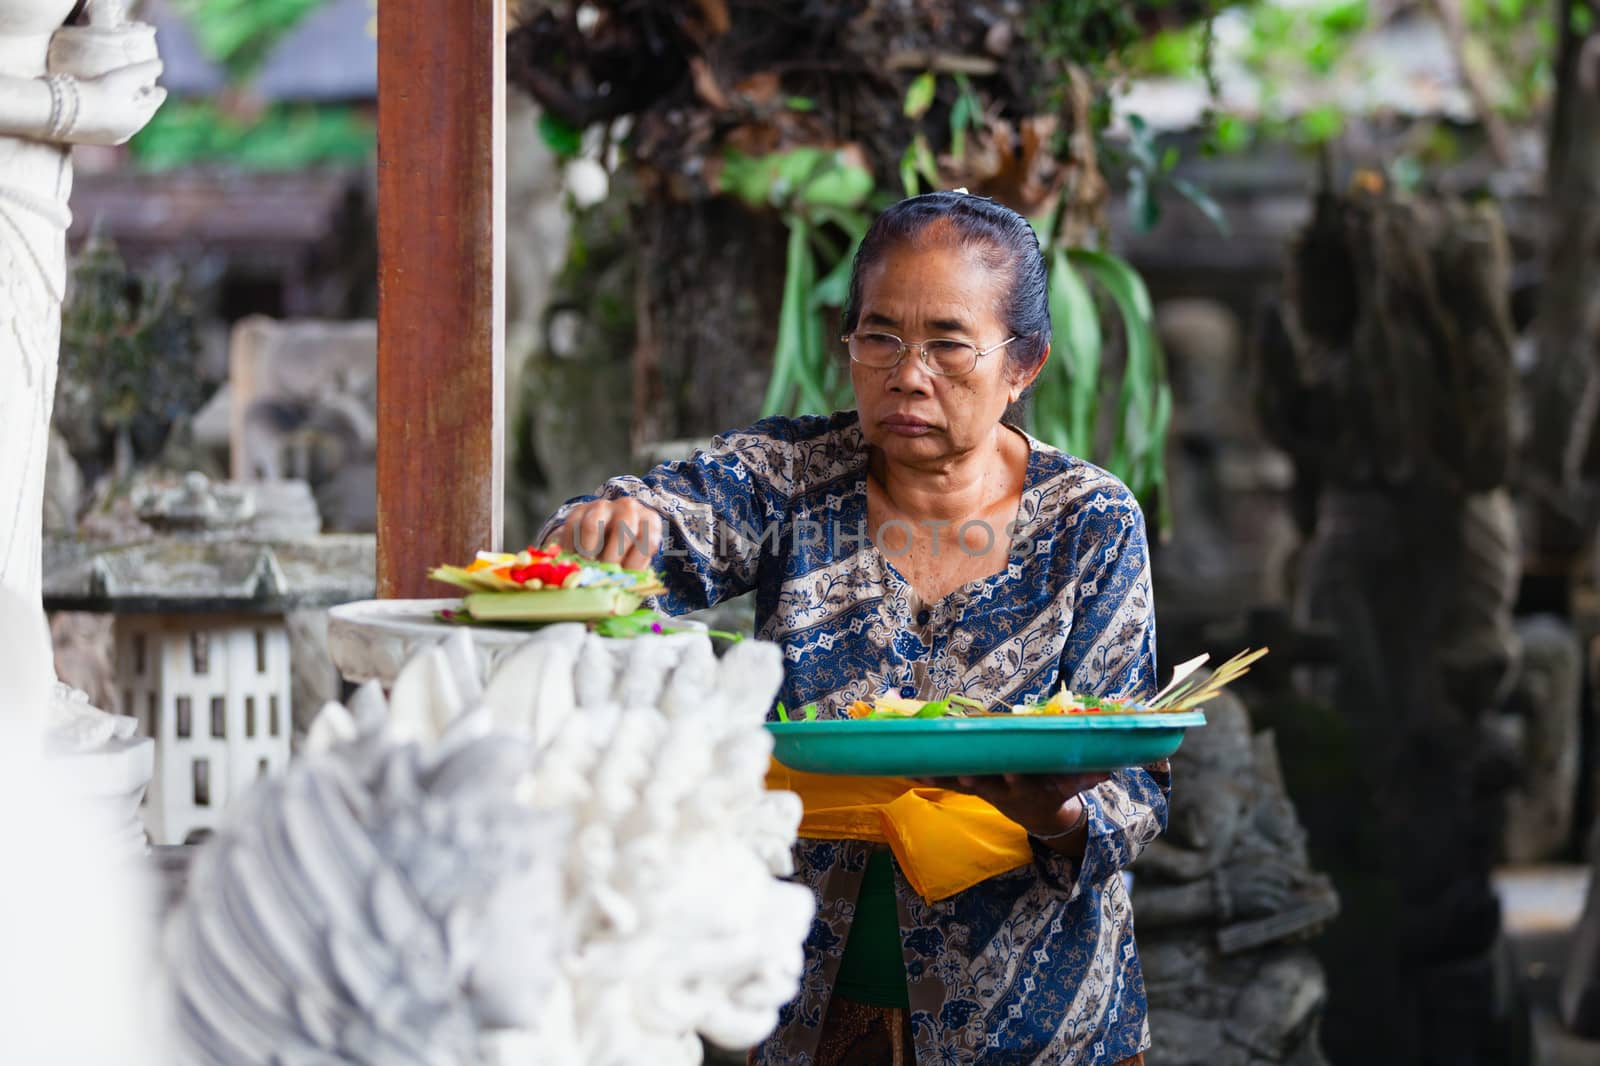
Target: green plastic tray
<point x="1025" y="744"/>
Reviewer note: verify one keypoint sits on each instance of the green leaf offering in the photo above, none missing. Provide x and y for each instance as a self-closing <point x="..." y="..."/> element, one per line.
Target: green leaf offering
<point x="809" y="711"/>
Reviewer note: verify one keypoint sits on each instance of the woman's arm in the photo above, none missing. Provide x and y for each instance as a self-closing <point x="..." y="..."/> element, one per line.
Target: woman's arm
<point x="1125" y="814"/>
<point x="1111" y="652"/>
<point x="715" y="517"/>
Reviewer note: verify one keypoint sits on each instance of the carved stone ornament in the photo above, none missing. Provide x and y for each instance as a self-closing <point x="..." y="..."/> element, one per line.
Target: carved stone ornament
<point x="196" y="506"/>
<point x="572" y="864"/>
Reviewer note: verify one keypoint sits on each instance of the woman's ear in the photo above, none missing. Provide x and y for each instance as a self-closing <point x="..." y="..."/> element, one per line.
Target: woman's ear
<point x="1020" y="383"/>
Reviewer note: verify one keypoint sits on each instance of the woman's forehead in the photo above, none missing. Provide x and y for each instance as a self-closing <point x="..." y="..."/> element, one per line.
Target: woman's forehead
<point x="950" y="281"/>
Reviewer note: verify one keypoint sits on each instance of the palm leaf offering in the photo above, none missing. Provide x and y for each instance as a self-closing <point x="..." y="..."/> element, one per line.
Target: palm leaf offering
<point x="1183" y="693"/>
<point x="545" y="585"/>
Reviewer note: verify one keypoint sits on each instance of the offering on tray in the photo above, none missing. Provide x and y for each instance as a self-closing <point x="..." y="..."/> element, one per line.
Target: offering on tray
<point x="1181" y="694"/>
<point x="545" y="585"/>
<point x="1066" y="733"/>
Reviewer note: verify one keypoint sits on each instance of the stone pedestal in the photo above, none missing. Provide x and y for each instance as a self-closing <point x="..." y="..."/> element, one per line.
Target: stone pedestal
<point x="372" y="640"/>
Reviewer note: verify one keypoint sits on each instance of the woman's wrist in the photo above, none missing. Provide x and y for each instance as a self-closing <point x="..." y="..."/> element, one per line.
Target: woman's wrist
<point x="1073" y="822"/>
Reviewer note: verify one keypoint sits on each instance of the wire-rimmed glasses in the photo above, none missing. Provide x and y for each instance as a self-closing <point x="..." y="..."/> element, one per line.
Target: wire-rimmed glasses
<point x="942" y="356"/>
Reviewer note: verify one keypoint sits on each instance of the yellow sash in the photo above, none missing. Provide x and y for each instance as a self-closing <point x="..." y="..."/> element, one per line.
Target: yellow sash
<point x="945" y="842"/>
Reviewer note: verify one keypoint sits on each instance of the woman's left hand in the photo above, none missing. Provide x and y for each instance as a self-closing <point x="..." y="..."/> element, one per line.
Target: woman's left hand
<point x="1040" y="803"/>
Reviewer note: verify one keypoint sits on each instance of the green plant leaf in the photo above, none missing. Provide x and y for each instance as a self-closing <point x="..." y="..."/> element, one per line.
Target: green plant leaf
<point x="787" y="356"/>
<point x="960" y="115"/>
<point x="1319" y="125"/>
<point x="1141" y="143"/>
<point x="853" y="222"/>
<point x="1076" y="324"/>
<point x="241" y="33"/>
<point x="837" y="184"/>
<point x="1139" y="442"/>
<point x="806" y="175"/>
<point x="1233" y="133"/>
<point x="798" y="359"/>
<point x="746" y="176"/>
<point x="1144" y="208"/>
<point x="564" y="140"/>
<point x="1204" y="203"/>
<point x="284" y="136"/>
<point x="834" y="287"/>
<point x="793" y="170"/>
<point x="926" y="166"/>
<point x="813" y="383"/>
<point x="908" y="171"/>
<point x="1155" y="474"/>
<point x="919" y="95"/>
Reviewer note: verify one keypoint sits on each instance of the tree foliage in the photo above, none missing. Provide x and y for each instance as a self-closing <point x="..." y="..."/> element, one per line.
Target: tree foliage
<point x="824" y="113"/>
<point x="129" y="341"/>
<point x="235" y="129"/>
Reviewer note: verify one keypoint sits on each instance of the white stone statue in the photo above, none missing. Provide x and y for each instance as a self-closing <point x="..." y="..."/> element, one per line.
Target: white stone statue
<point x="384" y="902"/>
<point x="656" y="749"/>
<point x="572" y="865"/>
<point x="93" y="756"/>
<point x="59" y="86"/>
<point x="77" y="918"/>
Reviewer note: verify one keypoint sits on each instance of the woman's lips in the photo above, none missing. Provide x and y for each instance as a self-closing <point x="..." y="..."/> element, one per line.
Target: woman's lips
<point x="906" y="426"/>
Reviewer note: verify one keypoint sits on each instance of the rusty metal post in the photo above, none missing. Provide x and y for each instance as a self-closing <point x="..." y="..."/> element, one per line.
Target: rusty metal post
<point x="441" y="285"/>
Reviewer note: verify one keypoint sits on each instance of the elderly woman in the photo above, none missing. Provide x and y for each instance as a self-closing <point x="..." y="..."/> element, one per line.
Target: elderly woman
<point x="920" y="546"/>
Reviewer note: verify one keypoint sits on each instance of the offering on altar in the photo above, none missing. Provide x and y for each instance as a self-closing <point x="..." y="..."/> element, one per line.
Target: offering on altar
<point x="539" y="585"/>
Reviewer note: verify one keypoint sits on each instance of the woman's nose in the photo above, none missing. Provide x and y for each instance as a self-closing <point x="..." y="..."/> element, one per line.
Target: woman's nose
<point x="909" y="375"/>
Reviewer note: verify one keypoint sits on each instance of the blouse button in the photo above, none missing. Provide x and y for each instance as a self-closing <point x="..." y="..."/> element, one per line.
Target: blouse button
<point x="923" y="617"/>
<point x="908" y="691"/>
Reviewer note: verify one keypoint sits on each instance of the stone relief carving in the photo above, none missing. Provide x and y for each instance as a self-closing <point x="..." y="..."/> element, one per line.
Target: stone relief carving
<point x="1225" y="901"/>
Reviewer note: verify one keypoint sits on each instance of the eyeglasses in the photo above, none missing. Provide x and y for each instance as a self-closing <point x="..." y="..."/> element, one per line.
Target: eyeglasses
<point x="947" y="358"/>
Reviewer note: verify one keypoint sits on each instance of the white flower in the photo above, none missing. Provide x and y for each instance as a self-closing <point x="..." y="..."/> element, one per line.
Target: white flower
<point x="587" y="182"/>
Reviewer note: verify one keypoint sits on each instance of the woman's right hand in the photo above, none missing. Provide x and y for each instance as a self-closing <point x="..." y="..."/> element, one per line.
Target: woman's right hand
<point x="614" y="531"/>
<point x="115" y="106"/>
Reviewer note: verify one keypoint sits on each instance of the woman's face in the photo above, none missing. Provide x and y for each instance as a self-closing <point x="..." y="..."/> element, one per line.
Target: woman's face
<point x="924" y="293"/>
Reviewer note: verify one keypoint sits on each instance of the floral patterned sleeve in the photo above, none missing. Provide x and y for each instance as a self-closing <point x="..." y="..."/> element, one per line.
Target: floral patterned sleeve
<point x="719" y="521"/>
<point x="1111" y="652"/>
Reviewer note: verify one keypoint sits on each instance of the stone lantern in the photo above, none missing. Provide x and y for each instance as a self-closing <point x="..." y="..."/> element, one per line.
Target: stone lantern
<point x="202" y="646"/>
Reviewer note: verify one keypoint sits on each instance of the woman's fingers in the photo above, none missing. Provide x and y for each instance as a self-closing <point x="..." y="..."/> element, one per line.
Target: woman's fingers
<point x="589" y="536"/>
<point x="642" y="535"/>
<point x="628" y="538"/>
<point x="1076" y="783"/>
<point x="613" y="531"/>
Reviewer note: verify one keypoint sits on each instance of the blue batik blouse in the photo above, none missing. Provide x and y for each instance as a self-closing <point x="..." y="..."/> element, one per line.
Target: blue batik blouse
<point x="1037" y="965"/>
